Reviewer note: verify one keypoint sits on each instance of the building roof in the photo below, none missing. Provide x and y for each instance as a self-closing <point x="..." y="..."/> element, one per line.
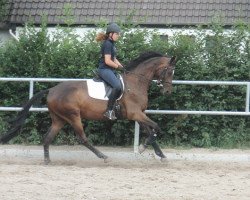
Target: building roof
<point x="143" y="12"/>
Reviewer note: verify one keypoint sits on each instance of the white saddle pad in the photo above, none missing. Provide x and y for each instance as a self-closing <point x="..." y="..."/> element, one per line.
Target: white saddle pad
<point x="97" y="89"/>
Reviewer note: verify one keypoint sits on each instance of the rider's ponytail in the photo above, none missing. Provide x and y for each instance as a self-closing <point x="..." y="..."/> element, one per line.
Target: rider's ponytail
<point x="101" y="37"/>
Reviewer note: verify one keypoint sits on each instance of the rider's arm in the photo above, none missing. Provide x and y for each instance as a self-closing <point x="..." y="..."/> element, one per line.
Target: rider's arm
<point x="109" y="62"/>
<point x="117" y="62"/>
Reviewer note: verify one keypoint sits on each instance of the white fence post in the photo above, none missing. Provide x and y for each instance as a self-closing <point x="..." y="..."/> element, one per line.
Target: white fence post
<point x="248" y="97"/>
<point x="31" y="91"/>
<point x="136" y="137"/>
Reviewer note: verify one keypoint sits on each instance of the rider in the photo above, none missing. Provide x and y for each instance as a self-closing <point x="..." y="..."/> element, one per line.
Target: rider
<point x="108" y="64"/>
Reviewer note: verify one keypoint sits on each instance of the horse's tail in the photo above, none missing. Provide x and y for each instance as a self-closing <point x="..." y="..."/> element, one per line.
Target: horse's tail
<point x="16" y="124"/>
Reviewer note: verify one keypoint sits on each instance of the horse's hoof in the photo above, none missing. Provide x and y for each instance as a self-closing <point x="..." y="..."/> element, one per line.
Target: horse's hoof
<point x="164" y="160"/>
<point x="141" y="148"/>
<point x="107" y="160"/>
<point x="47" y="162"/>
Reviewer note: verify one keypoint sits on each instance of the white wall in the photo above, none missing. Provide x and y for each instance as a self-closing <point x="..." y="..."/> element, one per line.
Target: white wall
<point x="170" y="32"/>
<point x="82" y="31"/>
<point x="4" y="36"/>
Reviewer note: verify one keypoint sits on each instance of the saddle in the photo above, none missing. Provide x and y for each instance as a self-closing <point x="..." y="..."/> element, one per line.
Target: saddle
<point x="99" y="89"/>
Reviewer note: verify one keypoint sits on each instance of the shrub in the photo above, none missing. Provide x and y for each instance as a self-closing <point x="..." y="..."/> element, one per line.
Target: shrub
<point x="218" y="57"/>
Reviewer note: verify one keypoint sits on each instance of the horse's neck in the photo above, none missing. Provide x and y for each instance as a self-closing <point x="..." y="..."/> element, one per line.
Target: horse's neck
<point x="141" y="78"/>
<point x="145" y="72"/>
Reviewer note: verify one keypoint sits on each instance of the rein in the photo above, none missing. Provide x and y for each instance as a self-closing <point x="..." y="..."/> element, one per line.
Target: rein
<point x="159" y="80"/>
<point x="138" y="75"/>
<point x="162" y="79"/>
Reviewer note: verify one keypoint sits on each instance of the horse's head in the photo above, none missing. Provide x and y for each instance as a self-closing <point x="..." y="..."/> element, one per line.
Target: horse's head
<point x="153" y="65"/>
<point x="166" y="74"/>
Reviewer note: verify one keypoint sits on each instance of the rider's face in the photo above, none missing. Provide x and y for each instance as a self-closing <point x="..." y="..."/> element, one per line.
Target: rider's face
<point x="114" y="36"/>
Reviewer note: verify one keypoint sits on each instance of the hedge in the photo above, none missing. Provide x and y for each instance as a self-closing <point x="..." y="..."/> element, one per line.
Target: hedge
<point x="221" y="56"/>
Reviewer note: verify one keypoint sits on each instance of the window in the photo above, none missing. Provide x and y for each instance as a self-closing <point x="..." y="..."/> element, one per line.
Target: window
<point x="164" y="37"/>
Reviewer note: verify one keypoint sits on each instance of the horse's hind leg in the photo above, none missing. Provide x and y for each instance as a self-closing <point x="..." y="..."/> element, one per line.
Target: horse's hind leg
<point x="56" y="126"/>
<point x="78" y="127"/>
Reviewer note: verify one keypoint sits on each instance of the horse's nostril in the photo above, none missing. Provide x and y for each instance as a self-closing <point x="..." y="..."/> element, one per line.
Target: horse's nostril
<point x="168" y="91"/>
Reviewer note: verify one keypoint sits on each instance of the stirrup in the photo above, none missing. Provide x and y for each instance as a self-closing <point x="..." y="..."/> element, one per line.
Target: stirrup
<point x="110" y="114"/>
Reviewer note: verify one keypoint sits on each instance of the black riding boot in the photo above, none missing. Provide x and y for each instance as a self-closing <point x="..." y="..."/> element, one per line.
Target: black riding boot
<point x="110" y="114"/>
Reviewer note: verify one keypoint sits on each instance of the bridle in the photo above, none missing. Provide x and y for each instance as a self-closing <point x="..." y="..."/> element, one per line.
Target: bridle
<point x="159" y="81"/>
<point x="137" y="75"/>
<point x="163" y="74"/>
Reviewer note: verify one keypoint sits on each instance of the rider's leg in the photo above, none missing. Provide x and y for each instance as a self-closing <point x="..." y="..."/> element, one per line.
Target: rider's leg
<point x="110" y="114"/>
<point x="109" y="76"/>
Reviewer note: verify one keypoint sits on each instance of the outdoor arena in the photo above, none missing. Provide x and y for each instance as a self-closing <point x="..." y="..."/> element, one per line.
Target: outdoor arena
<point x="75" y="173"/>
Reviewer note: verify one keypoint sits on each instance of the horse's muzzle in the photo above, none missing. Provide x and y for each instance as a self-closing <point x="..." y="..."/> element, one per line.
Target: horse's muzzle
<point x="166" y="91"/>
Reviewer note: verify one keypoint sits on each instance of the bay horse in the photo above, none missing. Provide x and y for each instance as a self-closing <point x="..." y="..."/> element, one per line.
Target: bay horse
<point x="69" y="102"/>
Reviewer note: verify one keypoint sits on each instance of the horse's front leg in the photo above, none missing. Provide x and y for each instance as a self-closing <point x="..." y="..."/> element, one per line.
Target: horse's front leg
<point x="151" y="140"/>
<point x="152" y="130"/>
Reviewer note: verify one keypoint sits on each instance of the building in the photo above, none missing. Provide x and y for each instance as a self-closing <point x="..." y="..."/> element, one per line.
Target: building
<point x="160" y="14"/>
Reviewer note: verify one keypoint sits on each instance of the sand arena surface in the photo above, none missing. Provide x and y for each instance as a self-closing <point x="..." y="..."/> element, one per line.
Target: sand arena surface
<point x="123" y="179"/>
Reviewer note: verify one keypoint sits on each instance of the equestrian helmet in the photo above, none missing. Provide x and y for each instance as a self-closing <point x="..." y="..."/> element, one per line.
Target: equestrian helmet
<point x="113" y="28"/>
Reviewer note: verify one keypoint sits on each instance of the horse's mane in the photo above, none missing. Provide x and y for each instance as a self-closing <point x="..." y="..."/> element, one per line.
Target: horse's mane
<point x="144" y="56"/>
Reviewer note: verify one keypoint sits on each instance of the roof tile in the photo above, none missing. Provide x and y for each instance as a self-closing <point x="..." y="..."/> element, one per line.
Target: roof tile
<point x="84" y="11"/>
<point x="155" y="11"/>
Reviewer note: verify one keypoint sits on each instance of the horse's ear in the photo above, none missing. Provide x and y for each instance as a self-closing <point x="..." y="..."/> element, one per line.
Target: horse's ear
<point x="173" y="60"/>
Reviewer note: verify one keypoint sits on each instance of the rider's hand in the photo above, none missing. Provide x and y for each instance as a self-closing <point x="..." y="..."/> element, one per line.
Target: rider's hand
<point x="120" y="68"/>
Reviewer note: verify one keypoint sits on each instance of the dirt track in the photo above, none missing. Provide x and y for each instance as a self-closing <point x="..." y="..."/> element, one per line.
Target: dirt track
<point x="28" y="178"/>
